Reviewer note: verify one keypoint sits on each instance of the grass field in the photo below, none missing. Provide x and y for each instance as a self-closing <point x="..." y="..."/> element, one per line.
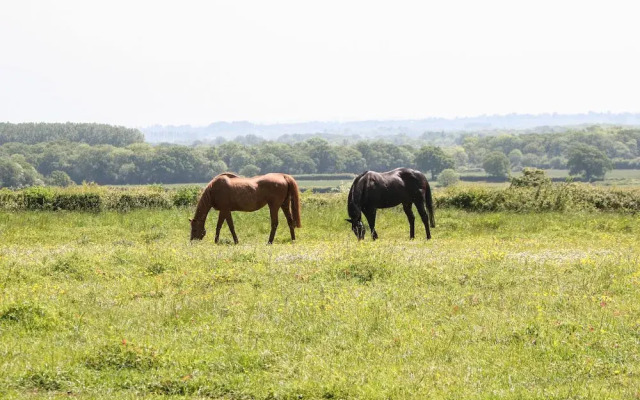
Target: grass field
<point x="498" y="305"/>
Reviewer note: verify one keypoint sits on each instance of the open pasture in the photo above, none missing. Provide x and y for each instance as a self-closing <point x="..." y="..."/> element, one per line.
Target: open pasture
<point x="497" y="305"/>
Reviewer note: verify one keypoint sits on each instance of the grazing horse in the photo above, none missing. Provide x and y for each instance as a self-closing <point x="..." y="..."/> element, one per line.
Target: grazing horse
<point x="228" y="192"/>
<point x="372" y="190"/>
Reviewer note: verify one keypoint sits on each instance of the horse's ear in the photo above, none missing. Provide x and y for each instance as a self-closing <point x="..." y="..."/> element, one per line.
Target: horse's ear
<point x="349" y="220"/>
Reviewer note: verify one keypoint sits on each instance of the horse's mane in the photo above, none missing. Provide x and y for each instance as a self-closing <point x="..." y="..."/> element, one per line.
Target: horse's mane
<point x="206" y="200"/>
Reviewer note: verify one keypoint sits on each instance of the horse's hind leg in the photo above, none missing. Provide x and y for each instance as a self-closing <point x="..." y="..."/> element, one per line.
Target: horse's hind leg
<point x="424" y="217"/>
<point x="231" y="227"/>
<point x="221" y="219"/>
<point x="371" y="219"/>
<point x="411" y="218"/>
<point x="274" y="222"/>
<point x="287" y="214"/>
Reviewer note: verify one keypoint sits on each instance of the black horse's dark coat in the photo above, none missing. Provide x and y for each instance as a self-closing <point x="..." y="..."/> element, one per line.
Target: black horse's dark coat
<point x="372" y="190"/>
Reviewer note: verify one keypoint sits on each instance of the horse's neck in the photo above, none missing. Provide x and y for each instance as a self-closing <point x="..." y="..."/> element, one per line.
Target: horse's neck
<point x="204" y="205"/>
<point x="353" y="203"/>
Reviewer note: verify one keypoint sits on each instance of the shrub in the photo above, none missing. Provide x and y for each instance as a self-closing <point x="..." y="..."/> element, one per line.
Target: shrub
<point x="531" y="177"/>
<point x="77" y="201"/>
<point x="186" y="196"/>
<point x="38" y="198"/>
<point x="448" y="177"/>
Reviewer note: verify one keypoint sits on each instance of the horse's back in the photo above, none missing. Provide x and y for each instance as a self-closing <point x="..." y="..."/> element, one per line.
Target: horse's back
<point x="390" y="188"/>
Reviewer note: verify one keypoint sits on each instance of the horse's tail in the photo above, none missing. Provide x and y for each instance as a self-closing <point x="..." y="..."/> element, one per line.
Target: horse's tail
<point x="294" y="195"/>
<point x="429" y="200"/>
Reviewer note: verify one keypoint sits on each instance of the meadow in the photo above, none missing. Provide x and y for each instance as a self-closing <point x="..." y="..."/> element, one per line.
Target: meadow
<point x="121" y="305"/>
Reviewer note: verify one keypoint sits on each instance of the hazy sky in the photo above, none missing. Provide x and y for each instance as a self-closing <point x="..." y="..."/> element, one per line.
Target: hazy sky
<point x="139" y="63"/>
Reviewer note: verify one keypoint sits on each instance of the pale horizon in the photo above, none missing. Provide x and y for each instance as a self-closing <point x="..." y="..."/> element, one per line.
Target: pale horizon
<point x="194" y="63"/>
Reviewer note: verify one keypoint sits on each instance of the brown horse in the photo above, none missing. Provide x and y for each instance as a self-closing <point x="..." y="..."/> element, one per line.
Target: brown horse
<point x="228" y="192"/>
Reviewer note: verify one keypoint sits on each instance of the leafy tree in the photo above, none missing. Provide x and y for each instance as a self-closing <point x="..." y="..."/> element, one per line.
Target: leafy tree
<point x="433" y="159"/>
<point x="249" y="170"/>
<point x="448" y="177"/>
<point x="589" y="161"/>
<point x="515" y="157"/>
<point x="459" y="156"/>
<point x="558" y="162"/>
<point x="496" y="164"/>
<point x="16" y="172"/>
<point x="59" y="178"/>
<point x="268" y="162"/>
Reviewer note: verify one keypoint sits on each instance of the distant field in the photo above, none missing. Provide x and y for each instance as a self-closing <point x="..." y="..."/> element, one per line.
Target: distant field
<point x="618" y="177"/>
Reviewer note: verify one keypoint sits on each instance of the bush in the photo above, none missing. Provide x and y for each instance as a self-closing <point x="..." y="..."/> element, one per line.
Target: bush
<point x="448" y="177"/>
<point x="77" y="201"/>
<point x="129" y="201"/>
<point x="186" y="196"/>
<point x="531" y="177"/>
<point x="38" y="198"/>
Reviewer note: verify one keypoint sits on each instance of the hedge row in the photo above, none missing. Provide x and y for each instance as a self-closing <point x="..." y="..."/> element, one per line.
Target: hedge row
<point x="548" y="197"/>
<point x="95" y="198"/>
<point x="544" y="197"/>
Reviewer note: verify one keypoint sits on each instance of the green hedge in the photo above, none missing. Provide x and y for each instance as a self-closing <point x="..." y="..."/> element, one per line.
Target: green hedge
<point x="95" y="198"/>
<point x="551" y="197"/>
<point x="544" y="197"/>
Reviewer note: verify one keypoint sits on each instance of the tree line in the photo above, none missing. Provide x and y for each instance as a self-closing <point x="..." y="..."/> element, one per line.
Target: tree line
<point x="93" y="134"/>
<point x="122" y="158"/>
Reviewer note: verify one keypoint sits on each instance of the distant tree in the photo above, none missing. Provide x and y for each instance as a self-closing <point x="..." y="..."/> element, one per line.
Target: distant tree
<point x="588" y="161"/>
<point x="558" y="162"/>
<point x="350" y="160"/>
<point x="496" y="164"/>
<point x="268" y="162"/>
<point x="434" y="160"/>
<point x="59" y="178"/>
<point x="448" y="177"/>
<point x="82" y="132"/>
<point x="515" y="157"/>
<point x="249" y="170"/>
<point x="16" y="172"/>
<point x="460" y="156"/>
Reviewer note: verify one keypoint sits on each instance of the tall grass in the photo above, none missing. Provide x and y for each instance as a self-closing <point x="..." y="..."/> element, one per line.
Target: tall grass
<point x="497" y="305"/>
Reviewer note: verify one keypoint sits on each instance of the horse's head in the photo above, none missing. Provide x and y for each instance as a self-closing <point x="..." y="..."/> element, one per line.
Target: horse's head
<point x="357" y="227"/>
<point x="197" y="229"/>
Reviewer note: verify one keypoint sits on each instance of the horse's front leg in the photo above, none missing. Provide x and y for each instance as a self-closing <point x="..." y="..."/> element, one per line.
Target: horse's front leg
<point x="371" y="219"/>
<point x="411" y="218"/>
<point x="274" y="222"/>
<point x="221" y="219"/>
<point x="231" y="227"/>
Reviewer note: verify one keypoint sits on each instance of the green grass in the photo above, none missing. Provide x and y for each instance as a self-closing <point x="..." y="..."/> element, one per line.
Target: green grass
<point x="498" y="305"/>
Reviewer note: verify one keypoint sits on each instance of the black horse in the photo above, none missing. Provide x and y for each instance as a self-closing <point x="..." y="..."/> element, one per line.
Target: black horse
<point x="372" y="190"/>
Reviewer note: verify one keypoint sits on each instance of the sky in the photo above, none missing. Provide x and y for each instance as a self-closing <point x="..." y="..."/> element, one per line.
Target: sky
<point x="138" y="63"/>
